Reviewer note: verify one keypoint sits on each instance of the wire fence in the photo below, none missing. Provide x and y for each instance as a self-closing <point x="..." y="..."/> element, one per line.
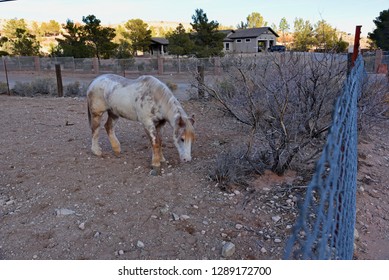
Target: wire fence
<point x="324" y="228"/>
<point x="144" y="65"/>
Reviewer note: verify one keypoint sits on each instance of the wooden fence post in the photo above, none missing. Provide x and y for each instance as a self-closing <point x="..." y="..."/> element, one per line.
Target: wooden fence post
<point x="6" y="75"/>
<point x="200" y="79"/>
<point x="160" y="65"/>
<point x="59" y="79"/>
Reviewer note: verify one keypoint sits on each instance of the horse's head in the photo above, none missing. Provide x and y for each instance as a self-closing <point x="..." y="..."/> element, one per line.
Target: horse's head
<point x="183" y="137"/>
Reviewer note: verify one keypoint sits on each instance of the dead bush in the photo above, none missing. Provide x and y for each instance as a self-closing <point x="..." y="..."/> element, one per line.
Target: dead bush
<point x="44" y="86"/>
<point x="286" y="100"/>
<point x="234" y="167"/>
<point x="373" y="104"/>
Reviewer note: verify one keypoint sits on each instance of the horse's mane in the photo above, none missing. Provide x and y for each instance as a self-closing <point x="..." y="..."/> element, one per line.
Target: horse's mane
<point x="163" y="95"/>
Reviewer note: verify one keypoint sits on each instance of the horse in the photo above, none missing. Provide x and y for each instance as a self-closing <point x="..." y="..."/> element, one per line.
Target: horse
<point x="146" y="100"/>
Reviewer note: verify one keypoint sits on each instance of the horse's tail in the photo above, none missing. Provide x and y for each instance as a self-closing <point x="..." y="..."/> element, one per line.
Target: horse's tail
<point x="89" y="116"/>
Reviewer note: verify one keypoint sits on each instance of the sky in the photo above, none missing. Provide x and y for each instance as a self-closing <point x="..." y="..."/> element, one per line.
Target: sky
<point x="341" y="14"/>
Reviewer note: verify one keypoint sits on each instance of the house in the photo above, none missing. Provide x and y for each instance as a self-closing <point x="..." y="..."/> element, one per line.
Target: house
<point x="250" y="40"/>
<point x="158" y="46"/>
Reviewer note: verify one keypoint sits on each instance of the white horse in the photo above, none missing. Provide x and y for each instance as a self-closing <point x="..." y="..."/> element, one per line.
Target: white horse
<point x="146" y="100"/>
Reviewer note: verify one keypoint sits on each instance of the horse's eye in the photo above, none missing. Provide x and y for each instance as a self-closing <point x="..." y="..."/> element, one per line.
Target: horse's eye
<point x="182" y="139"/>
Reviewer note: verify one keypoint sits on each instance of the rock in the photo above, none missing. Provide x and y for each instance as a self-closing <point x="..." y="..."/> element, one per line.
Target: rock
<point x="277" y="240"/>
<point x="64" y="212"/>
<point x="228" y="249"/>
<point x="263" y="250"/>
<point x="97" y="234"/>
<point x="184" y="217"/>
<point x="356" y="234"/>
<point x="140" y="244"/>
<point x="175" y="217"/>
<point x="81" y="226"/>
<point x="10" y="202"/>
<point x="276" y="218"/>
<point x="120" y="252"/>
<point x="238" y="226"/>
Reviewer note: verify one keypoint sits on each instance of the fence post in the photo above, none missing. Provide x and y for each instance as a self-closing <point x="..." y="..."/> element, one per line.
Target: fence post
<point x="6" y="75"/>
<point x="160" y="65"/>
<point x="59" y="79"/>
<point x="37" y="63"/>
<point x="200" y="79"/>
<point x="378" y="60"/>
<point x="95" y="62"/>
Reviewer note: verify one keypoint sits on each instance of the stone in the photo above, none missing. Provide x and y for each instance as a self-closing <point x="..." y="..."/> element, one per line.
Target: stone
<point x="238" y="226"/>
<point x="175" y="217"/>
<point x="64" y="212"/>
<point x="81" y="226"/>
<point x="228" y="249"/>
<point x="276" y="218"/>
<point x="184" y="217"/>
<point x="263" y="250"/>
<point x="140" y="244"/>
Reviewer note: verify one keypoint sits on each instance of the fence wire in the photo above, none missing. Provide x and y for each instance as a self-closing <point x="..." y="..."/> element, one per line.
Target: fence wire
<point x="324" y="228"/>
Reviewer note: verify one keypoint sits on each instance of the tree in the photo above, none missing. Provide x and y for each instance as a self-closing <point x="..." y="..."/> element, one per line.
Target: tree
<point x="3" y="40"/>
<point x="284" y="28"/>
<point x="51" y="28"/>
<point x="255" y="20"/>
<point x="207" y="39"/>
<point x="303" y="35"/>
<point x="24" y="43"/>
<point x="325" y="35"/>
<point x="74" y="43"/>
<point x="9" y="28"/>
<point x="98" y="37"/>
<point x="138" y="35"/>
<point x="180" y="42"/>
<point x="380" y="35"/>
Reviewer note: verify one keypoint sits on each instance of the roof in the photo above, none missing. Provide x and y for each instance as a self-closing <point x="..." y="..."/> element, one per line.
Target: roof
<point x="160" y="41"/>
<point x="250" y="33"/>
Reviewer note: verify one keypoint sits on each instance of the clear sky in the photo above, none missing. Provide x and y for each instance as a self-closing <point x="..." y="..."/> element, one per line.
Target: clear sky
<point x="341" y="14"/>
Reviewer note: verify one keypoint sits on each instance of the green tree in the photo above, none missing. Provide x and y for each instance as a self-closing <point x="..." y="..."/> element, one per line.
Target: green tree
<point x="138" y="35"/>
<point x="51" y="28"/>
<point x="3" y="40"/>
<point x="325" y="35"/>
<point x="380" y="35"/>
<point x="74" y="43"/>
<point x="255" y="20"/>
<point x="303" y="35"/>
<point x="24" y="43"/>
<point x="99" y="37"/>
<point x="207" y="39"/>
<point x="180" y="42"/>
<point x="284" y="28"/>
<point x="9" y="28"/>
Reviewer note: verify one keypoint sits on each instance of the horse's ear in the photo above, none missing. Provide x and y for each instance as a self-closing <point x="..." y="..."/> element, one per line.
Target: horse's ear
<point x="180" y="122"/>
<point x="192" y="119"/>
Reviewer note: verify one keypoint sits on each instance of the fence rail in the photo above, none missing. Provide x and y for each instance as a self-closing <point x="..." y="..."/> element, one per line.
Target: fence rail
<point x="324" y="228"/>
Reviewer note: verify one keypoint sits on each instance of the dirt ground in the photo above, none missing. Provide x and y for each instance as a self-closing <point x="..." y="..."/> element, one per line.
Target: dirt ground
<point x="58" y="201"/>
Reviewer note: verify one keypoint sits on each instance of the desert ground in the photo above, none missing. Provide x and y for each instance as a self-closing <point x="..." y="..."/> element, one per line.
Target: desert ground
<point x="59" y="201"/>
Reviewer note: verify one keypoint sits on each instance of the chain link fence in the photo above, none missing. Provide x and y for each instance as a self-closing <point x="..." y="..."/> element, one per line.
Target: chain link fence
<point x="324" y="228"/>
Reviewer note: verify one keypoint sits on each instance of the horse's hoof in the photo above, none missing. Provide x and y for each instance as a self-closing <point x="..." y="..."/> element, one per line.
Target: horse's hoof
<point x="155" y="171"/>
<point x="98" y="153"/>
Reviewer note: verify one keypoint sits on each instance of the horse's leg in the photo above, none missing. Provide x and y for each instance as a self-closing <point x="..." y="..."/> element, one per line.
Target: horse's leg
<point x="110" y="128"/>
<point x="159" y="138"/>
<point x="155" y="143"/>
<point x="95" y="126"/>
